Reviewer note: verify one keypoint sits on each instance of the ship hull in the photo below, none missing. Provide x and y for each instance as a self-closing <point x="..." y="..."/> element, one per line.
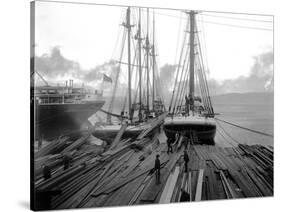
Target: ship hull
<point x="109" y="132"/>
<point x="53" y="120"/>
<point x="204" y="128"/>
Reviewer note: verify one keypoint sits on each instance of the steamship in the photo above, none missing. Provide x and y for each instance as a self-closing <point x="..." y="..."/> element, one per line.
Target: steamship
<point x="62" y="109"/>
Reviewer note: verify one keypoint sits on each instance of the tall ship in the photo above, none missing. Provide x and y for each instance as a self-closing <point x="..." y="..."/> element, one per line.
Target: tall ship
<point x="63" y="109"/>
<point x="191" y="113"/>
<point x="141" y="102"/>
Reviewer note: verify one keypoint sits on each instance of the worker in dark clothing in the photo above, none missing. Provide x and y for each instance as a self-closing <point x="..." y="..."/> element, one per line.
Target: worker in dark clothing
<point x="47" y="172"/>
<point x="169" y="144"/>
<point x="186" y="160"/>
<point x="184" y="196"/>
<point x="66" y="161"/>
<point x="122" y="115"/>
<point x="157" y="169"/>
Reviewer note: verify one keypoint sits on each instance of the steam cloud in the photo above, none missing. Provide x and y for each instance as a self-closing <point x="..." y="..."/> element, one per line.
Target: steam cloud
<point x="55" y="66"/>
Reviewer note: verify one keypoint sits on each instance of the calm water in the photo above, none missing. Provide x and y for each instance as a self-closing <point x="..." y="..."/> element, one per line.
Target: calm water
<point x="254" y="116"/>
<point x="254" y="112"/>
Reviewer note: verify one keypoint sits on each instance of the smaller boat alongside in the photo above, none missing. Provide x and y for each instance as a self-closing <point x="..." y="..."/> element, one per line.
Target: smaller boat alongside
<point x="142" y="103"/>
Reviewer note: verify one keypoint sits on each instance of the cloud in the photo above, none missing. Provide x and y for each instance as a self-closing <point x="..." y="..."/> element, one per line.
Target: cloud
<point x="260" y="78"/>
<point x="57" y="68"/>
<point x="107" y="68"/>
<point x="166" y="79"/>
<point x="54" y="67"/>
<point x="55" y="64"/>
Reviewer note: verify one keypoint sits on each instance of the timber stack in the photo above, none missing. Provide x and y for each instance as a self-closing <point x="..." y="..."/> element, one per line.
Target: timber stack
<point x="97" y="179"/>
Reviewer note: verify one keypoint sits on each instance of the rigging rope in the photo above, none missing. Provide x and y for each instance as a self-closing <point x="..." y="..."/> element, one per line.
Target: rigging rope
<point x="237" y="26"/>
<point x="111" y="103"/>
<point x="236" y="18"/>
<point x="204" y="77"/>
<point x="245" y="128"/>
<point x="182" y="75"/>
<point x="203" y="89"/>
<point x="225" y="132"/>
<point x="224" y="138"/>
<point x="223" y="24"/>
<point x="178" y="67"/>
<point x="183" y="89"/>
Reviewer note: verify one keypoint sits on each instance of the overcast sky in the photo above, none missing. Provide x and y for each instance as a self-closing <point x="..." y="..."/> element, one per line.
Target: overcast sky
<point x="87" y="34"/>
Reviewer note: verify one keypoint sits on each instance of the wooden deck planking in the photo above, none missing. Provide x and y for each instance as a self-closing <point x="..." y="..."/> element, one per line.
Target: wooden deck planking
<point x="213" y="173"/>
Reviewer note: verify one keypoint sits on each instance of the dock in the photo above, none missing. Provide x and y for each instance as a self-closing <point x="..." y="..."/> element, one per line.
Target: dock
<point x="123" y="173"/>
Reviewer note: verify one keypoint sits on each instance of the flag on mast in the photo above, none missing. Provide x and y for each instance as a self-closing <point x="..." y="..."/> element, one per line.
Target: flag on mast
<point x="107" y="78"/>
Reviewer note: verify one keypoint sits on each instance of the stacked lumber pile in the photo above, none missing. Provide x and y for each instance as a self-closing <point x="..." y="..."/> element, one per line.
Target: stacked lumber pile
<point x="92" y="175"/>
<point x="221" y="173"/>
<point x="52" y="154"/>
<point x="100" y="180"/>
<point x="124" y="173"/>
<point x="237" y="172"/>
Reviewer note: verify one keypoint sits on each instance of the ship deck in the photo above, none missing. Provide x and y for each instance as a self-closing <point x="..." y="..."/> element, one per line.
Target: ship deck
<point x="189" y="120"/>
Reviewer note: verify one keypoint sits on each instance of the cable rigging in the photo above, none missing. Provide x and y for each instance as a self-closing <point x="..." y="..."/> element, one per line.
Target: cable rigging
<point x="223" y="24"/>
<point x="237" y="18"/>
<point x="245" y="128"/>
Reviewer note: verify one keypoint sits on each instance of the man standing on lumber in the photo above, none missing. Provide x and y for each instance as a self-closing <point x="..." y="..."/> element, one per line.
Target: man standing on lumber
<point x="169" y="144"/>
<point x="66" y="161"/>
<point x="47" y="172"/>
<point x="184" y="196"/>
<point x="186" y="160"/>
<point x="157" y="169"/>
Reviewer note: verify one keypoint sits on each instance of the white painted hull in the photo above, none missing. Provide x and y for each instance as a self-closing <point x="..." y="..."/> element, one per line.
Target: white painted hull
<point x="205" y="128"/>
<point x="109" y="132"/>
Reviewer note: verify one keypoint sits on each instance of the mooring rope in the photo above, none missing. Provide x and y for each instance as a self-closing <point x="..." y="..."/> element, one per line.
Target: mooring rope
<point x="245" y="128"/>
<point x="228" y="134"/>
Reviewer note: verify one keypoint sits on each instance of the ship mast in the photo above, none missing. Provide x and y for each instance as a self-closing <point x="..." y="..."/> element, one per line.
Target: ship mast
<point x="191" y="57"/>
<point x="153" y="63"/>
<point x="147" y="64"/>
<point x="129" y="26"/>
<point x="140" y="65"/>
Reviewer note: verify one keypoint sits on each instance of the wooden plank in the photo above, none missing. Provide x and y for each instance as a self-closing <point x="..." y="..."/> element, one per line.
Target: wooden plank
<point x="199" y="185"/>
<point x="226" y="190"/>
<point x="182" y="186"/>
<point x="76" y="144"/>
<point x="114" y="186"/>
<point x="133" y="163"/>
<point x="152" y="191"/>
<point x="127" y="192"/>
<point x="180" y="142"/>
<point x="169" y="186"/>
<point x="162" y="137"/>
<point x="119" y="135"/>
<point x="52" y="182"/>
<point x="140" y="189"/>
<point x="91" y="187"/>
<point x="50" y="148"/>
<point x="189" y="187"/>
<point x="156" y="122"/>
<point x="231" y="191"/>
